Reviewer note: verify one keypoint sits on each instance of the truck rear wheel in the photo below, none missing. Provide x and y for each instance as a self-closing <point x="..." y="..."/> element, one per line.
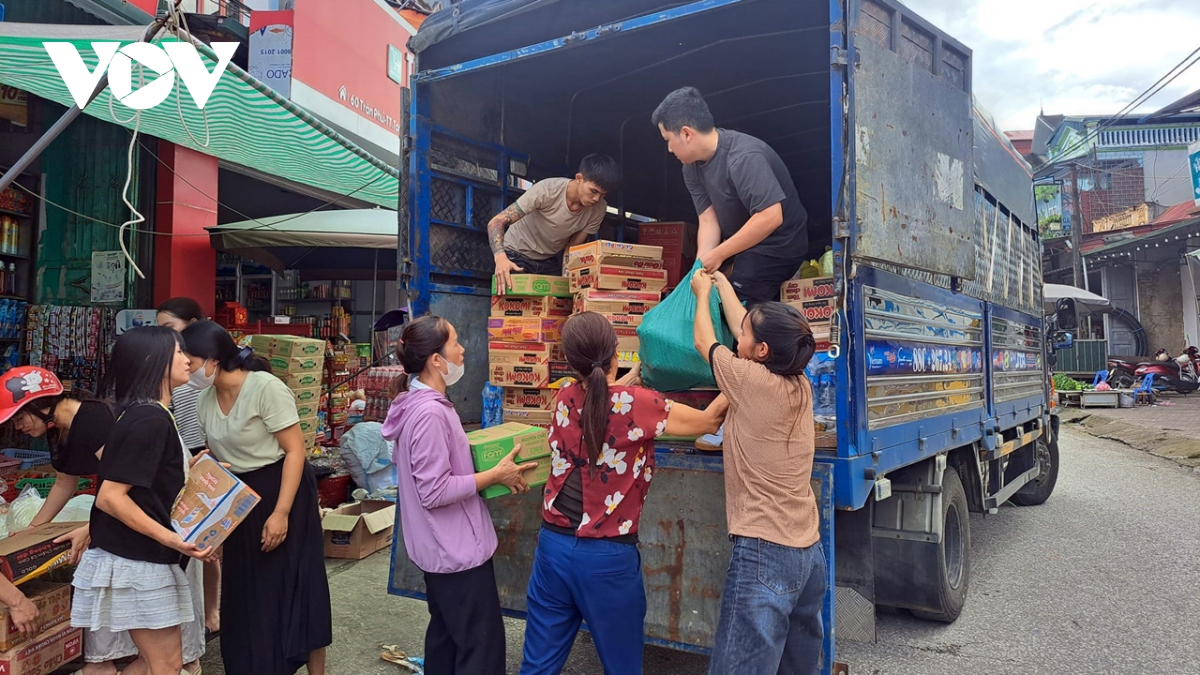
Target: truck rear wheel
<point x="1038" y="490"/>
<point x="953" y="569"/>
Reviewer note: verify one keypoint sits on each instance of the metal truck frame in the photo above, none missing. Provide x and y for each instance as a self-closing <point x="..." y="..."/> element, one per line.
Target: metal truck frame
<point x="941" y="358"/>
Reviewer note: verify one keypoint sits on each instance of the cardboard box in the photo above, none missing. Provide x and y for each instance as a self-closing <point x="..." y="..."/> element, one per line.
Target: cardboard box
<point x="613" y="278"/>
<point x="281" y="365"/>
<point x="306" y="410"/>
<point x="678" y="242"/>
<point x="534" y="418"/>
<point x="299" y="381"/>
<point x="532" y="375"/>
<point x="53" y="602"/>
<point x="522" y="364"/>
<point x="628" y="359"/>
<point x="627" y="338"/>
<point x="603" y="252"/>
<point x="32" y="553"/>
<point x="524" y="329"/>
<point x="816" y="311"/>
<point x="634" y="320"/>
<point x="537" y="285"/>
<point x="560" y="374"/>
<point x="44" y="654"/>
<point x="535" y="477"/>
<point x="211" y="505"/>
<point x="307" y="395"/>
<point x="489" y="446"/>
<point x="616" y="302"/>
<point x="529" y="399"/>
<point x="310" y="440"/>
<point x="547" y="307"/>
<point x="357" y="530"/>
<point x="287" y="346"/>
<point x="803" y="290"/>
<point x="308" y="425"/>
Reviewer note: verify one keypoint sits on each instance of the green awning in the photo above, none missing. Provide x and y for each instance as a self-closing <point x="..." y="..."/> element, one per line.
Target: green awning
<point x="247" y="123"/>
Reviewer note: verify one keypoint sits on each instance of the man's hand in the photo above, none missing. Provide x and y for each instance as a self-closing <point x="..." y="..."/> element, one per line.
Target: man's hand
<point x="504" y="271"/>
<point x="702" y="284"/>
<point x="712" y="260"/>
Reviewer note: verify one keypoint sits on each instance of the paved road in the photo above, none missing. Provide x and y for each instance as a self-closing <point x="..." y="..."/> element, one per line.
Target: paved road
<point x="1103" y="578"/>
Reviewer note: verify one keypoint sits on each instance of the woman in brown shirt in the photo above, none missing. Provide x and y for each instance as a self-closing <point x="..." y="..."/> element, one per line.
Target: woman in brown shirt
<point x="770" y="620"/>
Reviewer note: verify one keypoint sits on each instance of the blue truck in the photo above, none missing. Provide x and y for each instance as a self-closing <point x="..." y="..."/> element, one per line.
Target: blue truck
<point x="940" y="339"/>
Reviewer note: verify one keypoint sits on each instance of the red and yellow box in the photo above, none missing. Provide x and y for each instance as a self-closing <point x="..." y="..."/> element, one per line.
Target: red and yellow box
<point x="804" y="290"/>
<point x="546" y="307"/>
<point x="604" y="252"/>
<point x="616" y="302"/>
<point x="517" y="398"/>
<point x="524" y="329"/>
<point x="614" y="278"/>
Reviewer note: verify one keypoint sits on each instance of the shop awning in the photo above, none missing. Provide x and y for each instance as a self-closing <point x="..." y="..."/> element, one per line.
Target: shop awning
<point x="244" y="121"/>
<point x="348" y="244"/>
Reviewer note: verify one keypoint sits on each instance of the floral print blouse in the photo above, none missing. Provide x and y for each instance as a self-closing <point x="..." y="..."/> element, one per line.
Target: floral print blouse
<point x="614" y="493"/>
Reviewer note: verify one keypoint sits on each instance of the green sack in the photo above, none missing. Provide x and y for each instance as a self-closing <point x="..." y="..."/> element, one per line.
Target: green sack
<point x="668" y="354"/>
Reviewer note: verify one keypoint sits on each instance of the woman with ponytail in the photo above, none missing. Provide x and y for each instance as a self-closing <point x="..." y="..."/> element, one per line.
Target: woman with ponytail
<point x="587" y="566"/>
<point x="275" y="611"/>
<point x="448" y="531"/>
<point x="770" y="620"/>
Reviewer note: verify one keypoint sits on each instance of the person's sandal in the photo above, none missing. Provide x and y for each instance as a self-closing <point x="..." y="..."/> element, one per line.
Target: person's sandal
<point x="712" y="442"/>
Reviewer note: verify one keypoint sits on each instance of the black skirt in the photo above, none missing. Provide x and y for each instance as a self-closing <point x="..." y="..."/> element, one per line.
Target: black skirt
<point x="275" y="606"/>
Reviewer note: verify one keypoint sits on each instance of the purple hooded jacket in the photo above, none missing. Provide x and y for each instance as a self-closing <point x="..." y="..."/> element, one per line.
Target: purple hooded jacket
<point x="447" y="527"/>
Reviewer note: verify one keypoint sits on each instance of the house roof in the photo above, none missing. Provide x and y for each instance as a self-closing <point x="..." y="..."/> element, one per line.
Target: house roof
<point x="1019" y="135"/>
<point x="1178" y="213"/>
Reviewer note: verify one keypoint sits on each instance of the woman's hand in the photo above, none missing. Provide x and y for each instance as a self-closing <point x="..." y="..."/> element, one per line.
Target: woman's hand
<point x="202" y="453"/>
<point x="177" y="543"/>
<point x="275" y="531"/>
<point x="721" y="281"/>
<point x="24" y="615"/>
<point x="80" y="539"/>
<point x="510" y="474"/>
<point x="633" y="378"/>
<point x="702" y="283"/>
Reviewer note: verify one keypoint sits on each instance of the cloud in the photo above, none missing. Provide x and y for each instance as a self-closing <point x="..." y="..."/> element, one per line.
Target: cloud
<point x="1073" y="57"/>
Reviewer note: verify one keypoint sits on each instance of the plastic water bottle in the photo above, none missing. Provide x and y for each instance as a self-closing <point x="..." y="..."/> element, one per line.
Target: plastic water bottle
<point x="493" y="405"/>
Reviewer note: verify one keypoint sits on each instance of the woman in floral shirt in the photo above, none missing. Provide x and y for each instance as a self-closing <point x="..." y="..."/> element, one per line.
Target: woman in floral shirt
<point x="587" y="566"/>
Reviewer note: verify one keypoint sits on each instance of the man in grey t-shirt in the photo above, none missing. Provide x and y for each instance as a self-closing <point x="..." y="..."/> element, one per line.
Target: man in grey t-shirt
<point x="750" y="213"/>
<point x="552" y="216"/>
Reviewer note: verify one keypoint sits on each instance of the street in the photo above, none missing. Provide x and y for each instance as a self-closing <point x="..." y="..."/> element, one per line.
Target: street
<point x="1104" y="578"/>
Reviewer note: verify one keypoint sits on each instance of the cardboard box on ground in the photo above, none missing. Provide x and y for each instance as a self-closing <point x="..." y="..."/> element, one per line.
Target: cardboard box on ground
<point x="212" y="504"/>
<point x="355" y="531"/>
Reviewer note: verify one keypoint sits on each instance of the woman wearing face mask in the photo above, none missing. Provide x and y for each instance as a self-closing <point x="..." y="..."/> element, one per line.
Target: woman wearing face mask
<point x="448" y="532"/>
<point x="770" y="618"/>
<point x="177" y="314"/>
<point x="275" y="613"/>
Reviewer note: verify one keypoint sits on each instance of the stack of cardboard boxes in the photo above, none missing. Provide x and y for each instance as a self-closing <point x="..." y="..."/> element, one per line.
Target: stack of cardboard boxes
<point x="816" y="299"/>
<point x="524" y="350"/>
<point x="621" y="282"/>
<point x="300" y="363"/>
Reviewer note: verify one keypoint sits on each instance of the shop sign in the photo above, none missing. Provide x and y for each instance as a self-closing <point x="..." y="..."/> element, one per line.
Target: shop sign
<point x="14" y="105"/>
<point x="271" y="52"/>
<point x="1194" y="161"/>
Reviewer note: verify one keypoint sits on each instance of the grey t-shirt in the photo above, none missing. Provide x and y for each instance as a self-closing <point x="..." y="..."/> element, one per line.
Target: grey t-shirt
<point x="548" y="223"/>
<point x="746" y="176"/>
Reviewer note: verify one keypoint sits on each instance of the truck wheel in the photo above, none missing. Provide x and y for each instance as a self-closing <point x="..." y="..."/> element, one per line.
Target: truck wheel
<point x="954" y="568"/>
<point x="1038" y="490"/>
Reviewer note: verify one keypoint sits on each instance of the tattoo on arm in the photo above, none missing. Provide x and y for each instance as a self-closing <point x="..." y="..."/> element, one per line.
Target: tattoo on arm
<point x="497" y="224"/>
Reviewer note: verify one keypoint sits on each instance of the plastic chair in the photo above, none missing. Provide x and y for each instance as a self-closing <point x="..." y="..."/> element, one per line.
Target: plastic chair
<point x="1101" y="376"/>
<point x="1146" y="389"/>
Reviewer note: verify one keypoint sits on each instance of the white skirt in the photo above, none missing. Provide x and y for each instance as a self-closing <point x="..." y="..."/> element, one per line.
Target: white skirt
<point x="103" y="645"/>
<point x="118" y="594"/>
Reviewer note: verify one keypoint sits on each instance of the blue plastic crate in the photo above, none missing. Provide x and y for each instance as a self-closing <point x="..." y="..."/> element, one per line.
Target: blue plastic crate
<point x="29" y="458"/>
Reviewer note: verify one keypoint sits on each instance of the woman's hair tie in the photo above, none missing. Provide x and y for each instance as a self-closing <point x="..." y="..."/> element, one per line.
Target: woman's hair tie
<point x="597" y="364"/>
<point x="244" y="355"/>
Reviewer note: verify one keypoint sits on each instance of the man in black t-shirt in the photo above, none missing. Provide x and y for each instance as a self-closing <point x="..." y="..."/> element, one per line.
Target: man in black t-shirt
<point x="750" y="214"/>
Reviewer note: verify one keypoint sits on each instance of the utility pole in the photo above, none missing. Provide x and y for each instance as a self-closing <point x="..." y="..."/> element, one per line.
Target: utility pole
<point x="1076" y="230"/>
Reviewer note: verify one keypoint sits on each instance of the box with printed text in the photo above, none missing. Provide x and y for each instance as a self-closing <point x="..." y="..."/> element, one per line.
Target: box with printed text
<point x="603" y="252"/>
<point x="211" y="505"/>
<point x="545" y="307"/>
<point x="613" y="278"/>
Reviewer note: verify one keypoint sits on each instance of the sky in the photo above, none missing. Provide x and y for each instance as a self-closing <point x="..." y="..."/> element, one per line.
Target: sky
<point x="1070" y="57"/>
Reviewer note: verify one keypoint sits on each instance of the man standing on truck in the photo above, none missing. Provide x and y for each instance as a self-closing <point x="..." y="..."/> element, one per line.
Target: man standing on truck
<point x="549" y="218"/>
<point x="750" y="213"/>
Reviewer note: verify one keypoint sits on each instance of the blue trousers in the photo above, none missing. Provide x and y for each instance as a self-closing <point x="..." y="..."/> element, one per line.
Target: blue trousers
<point x="590" y="580"/>
<point x="770" y="621"/>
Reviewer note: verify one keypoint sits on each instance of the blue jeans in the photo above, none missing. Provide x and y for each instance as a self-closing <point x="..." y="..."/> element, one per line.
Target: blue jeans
<point x="770" y="622"/>
<point x="590" y="580"/>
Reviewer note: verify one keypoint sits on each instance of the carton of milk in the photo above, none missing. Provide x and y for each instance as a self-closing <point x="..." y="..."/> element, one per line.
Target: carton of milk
<point x="211" y="504"/>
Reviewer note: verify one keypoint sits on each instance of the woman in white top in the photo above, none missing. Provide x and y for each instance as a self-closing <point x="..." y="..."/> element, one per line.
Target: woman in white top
<point x="275" y="611"/>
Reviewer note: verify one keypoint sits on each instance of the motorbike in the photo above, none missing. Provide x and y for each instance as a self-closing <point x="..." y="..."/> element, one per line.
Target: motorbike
<point x="1178" y="374"/>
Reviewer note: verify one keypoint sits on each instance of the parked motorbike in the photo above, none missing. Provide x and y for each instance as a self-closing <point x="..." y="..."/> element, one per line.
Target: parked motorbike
<point x="1178" y="374"/>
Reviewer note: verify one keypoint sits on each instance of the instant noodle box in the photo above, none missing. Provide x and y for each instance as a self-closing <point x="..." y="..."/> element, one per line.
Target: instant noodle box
<point x="602" y="252"/>
<point x="529" y="399"/>
<point x="45" y="653"/>
<point x="307" y="395"/>
<point x="816" y="311"/>
<point x="524" y="329"/>
<point x="32" y="553"/>
<point x="489" y="446"/>
<point x="305" y="410"/>
<point x="534" y="418"/>
<point x="287" y="346"/>
<point x="627" y="339"/>
<point x="613" y="278"/>
<point x="616" y="302"/>
<point x="211" y="505"/>
<point x="296" y="365"/>
<point x="298" y="381"/>
<point x="537" y="285"/>
<point x="53" y="602"/>
<point x="804" y="290"/>
<point x="547" y="307"/>
<point x="522" y="365"/>
<point x="634" y="320"/>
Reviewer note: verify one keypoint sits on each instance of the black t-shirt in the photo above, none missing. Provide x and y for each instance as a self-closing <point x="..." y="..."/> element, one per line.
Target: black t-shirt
<point x="744" y="177"/>
<point x="75" y="454"/>
<point x="143" y="452"/>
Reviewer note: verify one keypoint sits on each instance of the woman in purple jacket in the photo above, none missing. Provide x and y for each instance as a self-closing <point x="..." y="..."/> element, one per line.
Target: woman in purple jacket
<point x="448" y="532"/>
